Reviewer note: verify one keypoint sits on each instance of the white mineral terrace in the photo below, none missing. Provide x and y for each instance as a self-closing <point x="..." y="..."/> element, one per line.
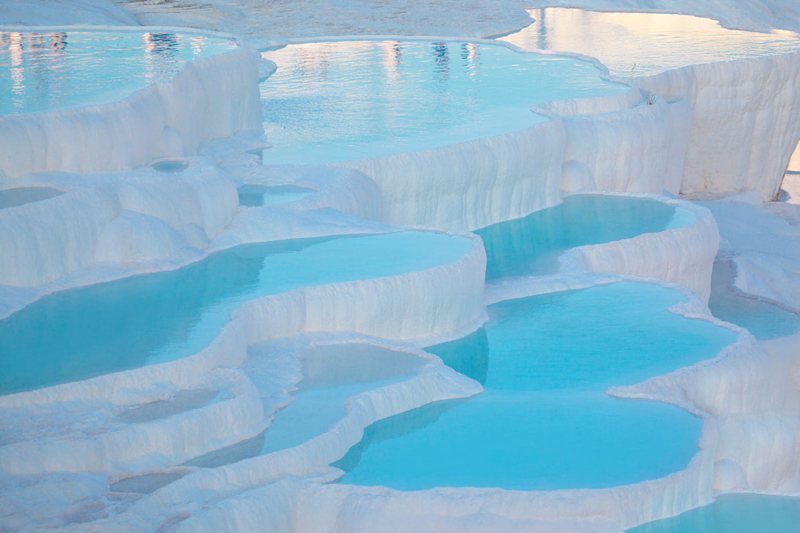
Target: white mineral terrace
<point x="306" y="266"/>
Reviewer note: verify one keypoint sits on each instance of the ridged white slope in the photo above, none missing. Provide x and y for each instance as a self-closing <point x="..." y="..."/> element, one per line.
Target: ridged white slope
<point x="139" y="217"/>
<point x="473" y="184"/>
<point x="745" y="125"/>
<point x="210" y="97"/>
<point x="640" y="149"/>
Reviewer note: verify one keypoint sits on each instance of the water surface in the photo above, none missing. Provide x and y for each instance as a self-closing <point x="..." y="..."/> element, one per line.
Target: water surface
<point x="544" y="420"/>
<point x="734" y="513"/>
<point x="67" y="69"/>
<point x="531" y="246"/>
<point x="146" y="319"/>
<point x="342" y="101"/>
<point x="643" y="44"/>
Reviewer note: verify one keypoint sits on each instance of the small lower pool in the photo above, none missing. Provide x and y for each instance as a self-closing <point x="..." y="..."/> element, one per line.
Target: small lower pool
<point x="544" y="420"/>
<point x="252" y="195"/>
<point x="765" y="321"/>
<point x="734" y="513"/>
<point x="531" y="246"/>
<point x="332" y="375"/>
<point x="108" y="327"/>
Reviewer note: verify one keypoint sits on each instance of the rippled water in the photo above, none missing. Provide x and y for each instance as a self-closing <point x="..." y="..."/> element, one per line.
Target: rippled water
<point x="643" y="44"/>
<point x="341" y="101"/>
<point x="64" y="70"/>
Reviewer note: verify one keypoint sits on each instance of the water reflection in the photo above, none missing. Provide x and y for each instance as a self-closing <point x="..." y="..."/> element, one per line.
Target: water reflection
<point x="340" y="101"/>
<point x="61" y="70"/>
<point x="643" y="44"/>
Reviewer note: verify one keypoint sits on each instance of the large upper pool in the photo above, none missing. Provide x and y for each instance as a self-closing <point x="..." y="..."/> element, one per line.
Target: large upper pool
<point x="643" y="44"/>
<point x="81" y="333"/>
<point x="530" y="246"/>
<point x="342" y="101"/>
<point x="734" y="513"/>
<point x="68" y="69"/>
<point x="544" y="420"/>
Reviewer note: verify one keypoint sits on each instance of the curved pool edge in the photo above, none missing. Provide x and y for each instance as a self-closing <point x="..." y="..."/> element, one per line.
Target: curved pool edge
<point x="225" y="86"/>
<point x="453" y="293"/>
<point x="683" y="255"/>
<point x="571" y="510"/>
<point x="417" y="186"/>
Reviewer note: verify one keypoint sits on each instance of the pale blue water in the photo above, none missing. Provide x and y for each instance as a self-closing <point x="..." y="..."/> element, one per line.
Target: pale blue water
<point x="85" y="332"/>
<point x="643" y="44"/>
<point x="170" y="166"/>
<point x="544" y="420"/>
<point x="332" y="375"/>
<point x="25" y="195"/>
<point x="765" y="321"/>
<point x="531" y="245"/>
<point x="63" y="70"/>
<point x="734" y="513"/>
<point x="252" y="195"/>
<point x="342" y="101"/>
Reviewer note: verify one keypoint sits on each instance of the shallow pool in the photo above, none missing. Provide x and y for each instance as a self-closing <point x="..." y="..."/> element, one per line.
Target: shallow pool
<point x="544" y="420"/>
<point x="734" y="513"/>
<point x="25" y="195"/>
<point x="342" y="101"/>
<point x="332" y="374"/>
<point x="530" y="246"/>
<point x="765" y="321"/>
<point x="252" y="195"/>
<point x="643" y="44"/>
<point x="46" y="71"/>
<point x="85" y="332"/>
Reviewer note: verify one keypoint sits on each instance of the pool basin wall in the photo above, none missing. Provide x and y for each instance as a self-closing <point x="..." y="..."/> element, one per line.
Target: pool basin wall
<point x="303" y="505"/>
<point x="640" y="149"/>
<point x="210" y="97"/>
<point x="753" y="394"/>
<point x="746" y="122"/>
<point x="127" y="218"/>
<point x="422" y="304"/>
<point x="683" y="255"/>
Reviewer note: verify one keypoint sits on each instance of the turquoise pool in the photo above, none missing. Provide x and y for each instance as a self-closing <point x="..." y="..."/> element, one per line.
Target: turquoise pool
<point x="734" y="513"/>
<point x="765" y="321"/>
<point x="544" y="420"/>
<point x="47" y="71"/>
<point x="530" y="246"/>
<point x="108" y="327"/>
<point x="342" y="101"/>
<point x="643" y="44"/>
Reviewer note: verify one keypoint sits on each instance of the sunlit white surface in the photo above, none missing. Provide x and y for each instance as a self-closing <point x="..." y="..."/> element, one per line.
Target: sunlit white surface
<point x="64" y="70"/>
<point x="643" y="44"/>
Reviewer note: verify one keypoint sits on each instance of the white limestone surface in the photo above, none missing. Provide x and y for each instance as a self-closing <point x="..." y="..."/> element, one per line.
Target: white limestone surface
<point x="745" y="122"/>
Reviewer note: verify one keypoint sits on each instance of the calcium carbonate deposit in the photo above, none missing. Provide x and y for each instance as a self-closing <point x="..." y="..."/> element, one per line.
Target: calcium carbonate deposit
<point x="305" y="266"/>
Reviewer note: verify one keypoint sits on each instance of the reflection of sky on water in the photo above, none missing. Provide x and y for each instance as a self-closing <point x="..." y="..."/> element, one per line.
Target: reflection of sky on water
<point x="62" y="70"/>
<point x="340" y="101"/>
<point x="643" y="44"/>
